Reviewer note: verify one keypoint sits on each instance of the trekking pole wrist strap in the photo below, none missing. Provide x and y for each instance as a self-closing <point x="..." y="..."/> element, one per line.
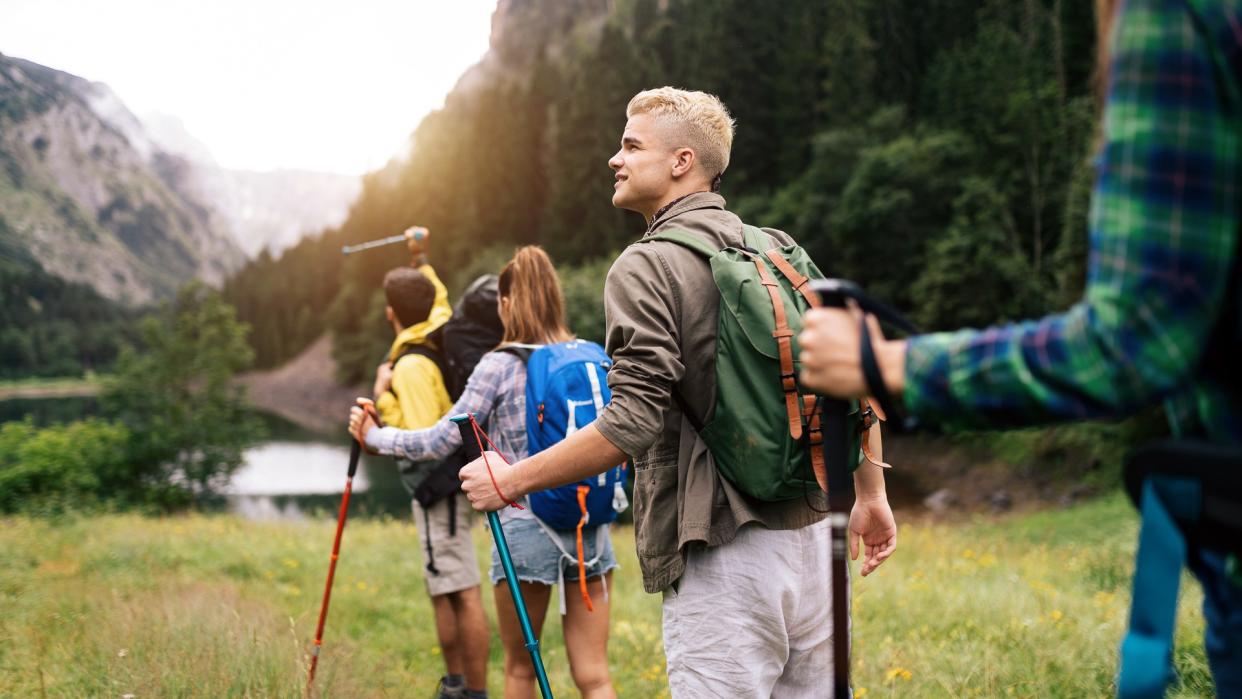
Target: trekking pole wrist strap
<point x="872" y="375"/>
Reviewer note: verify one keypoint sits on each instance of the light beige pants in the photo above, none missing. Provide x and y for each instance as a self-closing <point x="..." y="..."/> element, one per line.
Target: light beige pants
<point x="753" y="618"/>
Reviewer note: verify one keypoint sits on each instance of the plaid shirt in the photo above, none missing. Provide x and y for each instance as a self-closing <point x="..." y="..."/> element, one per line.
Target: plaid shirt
<point x="496" y="394"/>
<point x="1159" y="317"/>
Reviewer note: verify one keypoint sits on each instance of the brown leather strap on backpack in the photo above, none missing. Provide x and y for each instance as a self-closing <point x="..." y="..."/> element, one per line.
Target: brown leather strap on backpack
<point x="812" y="410"/>
<point x="872" y="417"/>
<point x="801" y="283"/>
<point x="784" y="341"/>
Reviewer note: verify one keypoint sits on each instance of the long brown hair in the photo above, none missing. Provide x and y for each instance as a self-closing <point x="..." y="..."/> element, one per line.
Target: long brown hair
<point x="1105" y="19"/>
<point x="535" y="312"/>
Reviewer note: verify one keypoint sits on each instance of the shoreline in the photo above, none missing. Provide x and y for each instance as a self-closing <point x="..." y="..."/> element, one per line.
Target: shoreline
<point x="50" y="388"/>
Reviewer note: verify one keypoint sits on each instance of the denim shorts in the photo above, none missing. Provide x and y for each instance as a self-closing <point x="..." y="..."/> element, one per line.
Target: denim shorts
<point x="537" y="559"/>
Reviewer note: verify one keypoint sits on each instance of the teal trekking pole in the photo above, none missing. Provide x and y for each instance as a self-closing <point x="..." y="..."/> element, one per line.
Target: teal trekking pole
<point x="472" y="442"/>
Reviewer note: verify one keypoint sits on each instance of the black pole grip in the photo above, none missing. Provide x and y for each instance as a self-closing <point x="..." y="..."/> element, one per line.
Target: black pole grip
<point x="355" y="451"/>
<point x="469" y="442"/>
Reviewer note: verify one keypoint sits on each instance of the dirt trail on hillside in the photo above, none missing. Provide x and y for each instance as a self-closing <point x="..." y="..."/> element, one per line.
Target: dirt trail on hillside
<point x="305" y="390"/>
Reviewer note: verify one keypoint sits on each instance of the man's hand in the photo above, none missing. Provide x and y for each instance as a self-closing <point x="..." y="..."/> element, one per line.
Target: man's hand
<point x="360" y="420"/>
<point x="872" y="521"/>
<point x="478" y="486"/>
<point x="831" y="356"/>
<point x="383" y="379"/>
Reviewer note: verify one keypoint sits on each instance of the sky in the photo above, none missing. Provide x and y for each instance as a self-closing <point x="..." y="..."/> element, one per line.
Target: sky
<point x="265" y="84"/>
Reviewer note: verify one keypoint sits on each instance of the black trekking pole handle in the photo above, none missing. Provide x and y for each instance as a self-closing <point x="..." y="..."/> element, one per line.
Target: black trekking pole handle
<point x="355" y="452"/>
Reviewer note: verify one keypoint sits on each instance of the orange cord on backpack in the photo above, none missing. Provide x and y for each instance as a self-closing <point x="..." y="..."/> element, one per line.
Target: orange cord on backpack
<point x="582" y="580"/>
<point x="478" y="432"/>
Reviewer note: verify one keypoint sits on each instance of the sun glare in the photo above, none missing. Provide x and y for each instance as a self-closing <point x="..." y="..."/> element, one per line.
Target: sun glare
<point x="265" y="84"/>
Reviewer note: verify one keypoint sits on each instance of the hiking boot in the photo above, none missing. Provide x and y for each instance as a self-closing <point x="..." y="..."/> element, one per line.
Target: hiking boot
<point x="444" y="691"/>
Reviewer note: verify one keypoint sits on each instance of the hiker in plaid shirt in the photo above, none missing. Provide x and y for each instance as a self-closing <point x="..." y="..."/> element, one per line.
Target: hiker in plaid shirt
<point x="1160" y="316"/>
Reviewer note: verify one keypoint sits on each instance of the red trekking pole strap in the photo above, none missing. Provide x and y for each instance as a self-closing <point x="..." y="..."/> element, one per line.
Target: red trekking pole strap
<point x="479" y="437"/>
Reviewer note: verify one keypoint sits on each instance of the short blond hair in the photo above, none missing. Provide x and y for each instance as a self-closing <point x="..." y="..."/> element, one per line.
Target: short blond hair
<point x="697" y="120"/>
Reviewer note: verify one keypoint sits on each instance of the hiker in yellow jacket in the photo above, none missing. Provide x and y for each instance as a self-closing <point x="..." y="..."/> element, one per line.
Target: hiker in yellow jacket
<point x="410" y="393"/>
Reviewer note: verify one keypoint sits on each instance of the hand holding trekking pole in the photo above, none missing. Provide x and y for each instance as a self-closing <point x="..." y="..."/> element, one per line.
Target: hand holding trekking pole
<point x="830" y="357"/>
<point x="485" y="488"/>
<point x="362" y="417"/>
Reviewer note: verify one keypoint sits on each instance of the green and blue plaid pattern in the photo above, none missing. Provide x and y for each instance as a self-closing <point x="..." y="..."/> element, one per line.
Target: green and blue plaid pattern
<point x="1159" y="318"/>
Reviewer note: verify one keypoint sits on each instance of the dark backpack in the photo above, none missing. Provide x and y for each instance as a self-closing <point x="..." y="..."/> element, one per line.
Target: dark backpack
<point x="474" y="329"/>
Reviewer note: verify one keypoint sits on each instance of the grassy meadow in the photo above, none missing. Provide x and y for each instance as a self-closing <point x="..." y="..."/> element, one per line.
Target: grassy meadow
<point x="213" y="606"/>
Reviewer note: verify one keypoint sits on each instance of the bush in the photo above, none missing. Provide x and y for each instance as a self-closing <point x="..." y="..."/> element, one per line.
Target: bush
<point x="188" y="420"/>
<point x="63" y="466"/>
<point x="584" y="297"/>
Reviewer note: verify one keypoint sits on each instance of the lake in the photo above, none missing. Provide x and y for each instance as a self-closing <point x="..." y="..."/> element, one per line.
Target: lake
<point x="292" y="473"/>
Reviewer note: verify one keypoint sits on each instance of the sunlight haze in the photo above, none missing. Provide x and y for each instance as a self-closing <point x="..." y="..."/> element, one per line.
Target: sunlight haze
<point x="264" y="85"/>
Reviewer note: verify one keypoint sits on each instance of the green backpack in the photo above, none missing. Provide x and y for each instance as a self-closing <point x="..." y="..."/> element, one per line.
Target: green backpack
<point x="764" y="434"/>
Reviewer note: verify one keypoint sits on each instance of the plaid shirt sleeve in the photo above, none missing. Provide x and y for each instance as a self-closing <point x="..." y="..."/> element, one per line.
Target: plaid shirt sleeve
<point x="1163" y="238"/>
<point x="440" y="440"/>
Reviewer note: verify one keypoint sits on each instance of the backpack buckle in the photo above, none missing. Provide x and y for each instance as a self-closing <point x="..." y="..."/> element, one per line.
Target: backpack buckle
<point x="788" y="383"/>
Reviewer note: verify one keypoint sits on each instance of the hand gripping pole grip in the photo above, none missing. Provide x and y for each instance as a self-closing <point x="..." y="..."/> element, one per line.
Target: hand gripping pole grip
<point x="471" y="446"/>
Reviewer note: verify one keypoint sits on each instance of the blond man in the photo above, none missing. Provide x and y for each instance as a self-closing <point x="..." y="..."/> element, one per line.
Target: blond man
<point x="744" y="582"/>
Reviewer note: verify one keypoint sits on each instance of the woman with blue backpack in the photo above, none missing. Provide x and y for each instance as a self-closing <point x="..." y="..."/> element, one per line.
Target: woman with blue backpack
<point x="539" y="385"/>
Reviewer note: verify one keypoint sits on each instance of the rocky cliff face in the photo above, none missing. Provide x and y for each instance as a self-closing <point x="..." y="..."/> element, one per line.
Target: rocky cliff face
<point x="86" y="195"/>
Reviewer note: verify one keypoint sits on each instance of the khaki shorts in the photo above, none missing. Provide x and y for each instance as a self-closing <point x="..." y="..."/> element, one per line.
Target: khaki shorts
<point x="456" y="567"/>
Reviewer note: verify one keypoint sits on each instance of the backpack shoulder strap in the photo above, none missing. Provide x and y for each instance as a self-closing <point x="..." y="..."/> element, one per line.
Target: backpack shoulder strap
<point x="522" y="352"/>
<point x="686" y="240"/>
<point x="421" y="351"/>
<point x="758" y="240"/>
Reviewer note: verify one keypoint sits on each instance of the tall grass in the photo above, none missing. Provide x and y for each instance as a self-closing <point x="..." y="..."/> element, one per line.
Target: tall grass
<point x="214" y="606"/>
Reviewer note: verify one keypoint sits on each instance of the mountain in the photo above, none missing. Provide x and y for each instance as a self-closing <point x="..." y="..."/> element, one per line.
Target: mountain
<point x="265" y="210"/>
<point x="88" y="196"/>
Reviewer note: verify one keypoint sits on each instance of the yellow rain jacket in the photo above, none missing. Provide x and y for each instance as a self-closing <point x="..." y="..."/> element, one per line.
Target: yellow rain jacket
<point x="418" y="397"/>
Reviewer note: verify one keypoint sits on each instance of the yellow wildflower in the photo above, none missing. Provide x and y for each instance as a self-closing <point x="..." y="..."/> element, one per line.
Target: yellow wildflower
<point x="895" y="672"/>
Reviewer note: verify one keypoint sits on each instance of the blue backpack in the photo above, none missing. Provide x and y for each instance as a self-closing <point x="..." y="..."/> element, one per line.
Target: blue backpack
<point x="565" y="391"/>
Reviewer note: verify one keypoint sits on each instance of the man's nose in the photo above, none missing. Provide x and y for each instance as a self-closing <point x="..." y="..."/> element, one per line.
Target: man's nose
<point x="615" y="162"/>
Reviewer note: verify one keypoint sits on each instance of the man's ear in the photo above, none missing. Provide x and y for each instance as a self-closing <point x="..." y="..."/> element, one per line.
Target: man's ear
<point x="389" y="314"/>
<point x="683" y="163"/>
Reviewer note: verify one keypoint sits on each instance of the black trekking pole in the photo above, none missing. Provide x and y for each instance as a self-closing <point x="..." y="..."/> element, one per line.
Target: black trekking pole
<point x="835" y="293"/>
<point x="473" y="450"/>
